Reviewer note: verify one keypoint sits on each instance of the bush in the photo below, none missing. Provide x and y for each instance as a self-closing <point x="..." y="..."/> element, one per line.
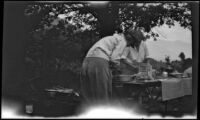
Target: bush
<point x="57" y="54"/>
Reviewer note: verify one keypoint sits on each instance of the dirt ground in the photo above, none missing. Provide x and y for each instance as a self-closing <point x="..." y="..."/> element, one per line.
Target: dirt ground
<point x="175" y="108"/>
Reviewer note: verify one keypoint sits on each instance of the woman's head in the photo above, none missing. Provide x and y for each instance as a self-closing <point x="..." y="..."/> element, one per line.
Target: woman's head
<point x="134" y="37"/>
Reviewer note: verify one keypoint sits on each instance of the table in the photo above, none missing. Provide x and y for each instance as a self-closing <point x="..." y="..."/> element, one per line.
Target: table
<point x="167" y="89"/>
<point x="141" y="88"/>
<point x="175" y="88"/>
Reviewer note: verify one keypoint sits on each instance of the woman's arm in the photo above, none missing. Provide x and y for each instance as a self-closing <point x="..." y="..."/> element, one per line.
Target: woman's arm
<point x="133" y="64"/>
<point x="118" y="50"/>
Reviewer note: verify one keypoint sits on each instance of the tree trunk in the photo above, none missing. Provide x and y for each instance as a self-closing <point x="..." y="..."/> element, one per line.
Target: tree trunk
<point x="107" y="16"/>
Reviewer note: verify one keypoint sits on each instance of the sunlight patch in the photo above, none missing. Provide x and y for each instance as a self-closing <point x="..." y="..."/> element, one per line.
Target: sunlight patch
<point x="107" y="112"/>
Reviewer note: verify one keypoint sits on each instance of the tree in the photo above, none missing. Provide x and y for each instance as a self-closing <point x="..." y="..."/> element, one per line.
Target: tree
<point x="182" y="56"/>
<point x="117" y="13"/>
<point x="167" y="59"/>
<point x="185" y="62"/>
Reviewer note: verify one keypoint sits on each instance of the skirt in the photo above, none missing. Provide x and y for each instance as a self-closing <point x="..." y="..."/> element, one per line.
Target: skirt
<point x="96" y="79"/>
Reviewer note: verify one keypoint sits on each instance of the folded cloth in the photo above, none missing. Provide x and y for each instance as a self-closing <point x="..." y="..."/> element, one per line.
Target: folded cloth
<point x="176" y="87"/>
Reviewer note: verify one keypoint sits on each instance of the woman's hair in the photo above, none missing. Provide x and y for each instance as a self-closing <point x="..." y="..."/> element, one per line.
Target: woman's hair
<point x="136" y="35"/>
<point x="119" y="29"/>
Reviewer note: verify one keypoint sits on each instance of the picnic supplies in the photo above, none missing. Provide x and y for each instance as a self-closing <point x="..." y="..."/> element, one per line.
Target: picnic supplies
<point x="128" y="68"/>
<point x="58" y="92"/>
<point x="165" y="74"/>
<point x="176" y="74"/>
<point x="145" y="71"/>
<point x="54" y="101"/>
<point x="123" y="78"/>
<point x="169" y="69"/>
<point x="133" y="71"/>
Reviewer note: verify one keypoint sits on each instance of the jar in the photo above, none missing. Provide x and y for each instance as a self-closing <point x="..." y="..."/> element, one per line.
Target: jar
<point x="29" y="108"/>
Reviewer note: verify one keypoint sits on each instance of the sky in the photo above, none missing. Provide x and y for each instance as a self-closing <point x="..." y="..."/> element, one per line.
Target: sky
<point x="171" y="42"/>
<point x="174" y="33"/>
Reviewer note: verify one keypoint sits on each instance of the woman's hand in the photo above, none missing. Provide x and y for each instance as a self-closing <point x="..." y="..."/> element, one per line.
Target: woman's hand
<point x="115" y="67"/>
<point x="114" y="64"/>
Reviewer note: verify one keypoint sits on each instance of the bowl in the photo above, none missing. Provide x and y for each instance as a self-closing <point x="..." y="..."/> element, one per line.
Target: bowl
<point x="177" y="75"/>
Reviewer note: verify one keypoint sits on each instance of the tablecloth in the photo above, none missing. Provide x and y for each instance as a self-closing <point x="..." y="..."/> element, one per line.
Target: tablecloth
<point x="176" y="87"/>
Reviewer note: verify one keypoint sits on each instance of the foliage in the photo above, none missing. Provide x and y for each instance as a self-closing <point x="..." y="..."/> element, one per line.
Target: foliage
<point x="179" y="65"/>
<point x="182" y="65"/>
<point x="117" y="13"/>
<point x="57" y="51"/>
<point x="167" y="59"/>
<point x="157" y="65"/>
<point x="182" y="56"/>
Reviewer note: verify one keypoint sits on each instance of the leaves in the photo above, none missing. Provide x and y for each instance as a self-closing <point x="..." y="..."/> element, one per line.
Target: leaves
<point x="182" y="56"/>
<point x="65" y="45"/>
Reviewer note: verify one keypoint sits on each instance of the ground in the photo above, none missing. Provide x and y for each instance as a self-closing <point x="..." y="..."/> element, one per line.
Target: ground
<point x="176" y="108"/>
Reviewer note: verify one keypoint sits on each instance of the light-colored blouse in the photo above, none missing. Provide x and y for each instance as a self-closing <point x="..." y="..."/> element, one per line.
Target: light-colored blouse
<point x="109" y="48"/>
<point x="132" y="54"/>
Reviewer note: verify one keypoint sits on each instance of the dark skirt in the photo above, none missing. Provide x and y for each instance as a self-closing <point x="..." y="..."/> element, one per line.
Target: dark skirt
<point x="96" y="79"/>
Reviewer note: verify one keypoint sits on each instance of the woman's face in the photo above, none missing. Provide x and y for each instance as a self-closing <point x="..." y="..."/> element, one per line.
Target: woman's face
<point x="132" y="41"/>
<point x="137" y="43"/>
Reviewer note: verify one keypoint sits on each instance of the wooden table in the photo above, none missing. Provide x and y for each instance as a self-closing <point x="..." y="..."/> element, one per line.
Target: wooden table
<point x="141" y="88"/>
<point x="151" y="90"/>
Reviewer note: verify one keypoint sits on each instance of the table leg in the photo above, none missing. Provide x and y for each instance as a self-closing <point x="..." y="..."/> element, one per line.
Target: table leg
<point x="117" y="91"/>
<point x="140" y="100"/>
<point x="165" y="104"/>
<point x="141" y="95"/>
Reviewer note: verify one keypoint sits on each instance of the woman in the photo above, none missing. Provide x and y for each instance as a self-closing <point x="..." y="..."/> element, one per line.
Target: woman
<point x="134" y="54"/>
<point x="138" y="52"/>
<point x="96" y="76"/>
